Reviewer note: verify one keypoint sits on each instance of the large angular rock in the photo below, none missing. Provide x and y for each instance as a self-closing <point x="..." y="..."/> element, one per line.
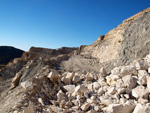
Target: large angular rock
<point x="142" y="77"/>
<point x="100" y="91"/>
<point x="112" y="90"/>
<point x="103" y="72"/>
<point x="61" y="96"/>
<point x="120" y="108"/>
<point x="140" y="92"/>
<point x="89" y="77"/>
<point x="80" y="89"/>
<point x="85" y="106"/>
<point x="96" y="86"/>
<point x="70" y="88"/>
<point x="27" y="85"/>
<point x="67" y="79"/>
<point x="129" y="83"/>
<point x="141" y="109"/>
<point x="128" y="70"/>
<point x="115" y="108"/>
<point x="102" y="81"/>
<point x="54" y="76"/>
<point x="140" y="64"/>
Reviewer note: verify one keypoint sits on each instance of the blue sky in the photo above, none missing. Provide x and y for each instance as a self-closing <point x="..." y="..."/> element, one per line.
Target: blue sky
<point x="57" y="23"/>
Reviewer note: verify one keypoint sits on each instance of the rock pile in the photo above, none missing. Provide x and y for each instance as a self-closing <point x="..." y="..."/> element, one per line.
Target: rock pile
<point x="125" y="90"/>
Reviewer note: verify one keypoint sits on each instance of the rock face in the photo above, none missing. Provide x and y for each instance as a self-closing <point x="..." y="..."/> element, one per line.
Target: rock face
<point x="46" y="53"/>
<point x="83" y="80"/>
<point x="125" y="43"/>
<point x="137" y="32"/>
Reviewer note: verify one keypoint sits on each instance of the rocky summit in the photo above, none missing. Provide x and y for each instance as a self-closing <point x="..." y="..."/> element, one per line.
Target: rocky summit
<point x="110" y="76"/>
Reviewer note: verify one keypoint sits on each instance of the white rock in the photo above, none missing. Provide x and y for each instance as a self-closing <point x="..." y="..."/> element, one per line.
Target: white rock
<point x="85" y="106"/>
<point x="54" y="75"/>
<point x="116" y="71"/>
<point x="70" y="88"/>
<point x="112" y="90"/>
<point x="119" y="108"/>
<point x="80" y="89"/>
<point x="129" y="82"/>
<point x="27" y="85"/>
<point x="89" y="77"/>
<point x="100" y="91"/>
<point x="141" y="109"/>
<point x="148" y="83"/>
<point x="90" y="87"/>
<point x="96" y="85"/>
<point x="142" y="77"/>
<point x="127" y="70"/>
<point x="96" y="108"/>
<point x="41" y="101"/>
<point x="67" y="79"/>
<point x="149" y="70"/>
<point x="102" y="72"/>
<point x="61" y="96"/>
<point x="122" y="100"/>
<point x="140" y="92"/>
<point x="76" y="79"/>
<point x="121" y="90"/>
<point x="108" y="99"/>
<point x="102" y="81"/>
<point x="142" y="101"/>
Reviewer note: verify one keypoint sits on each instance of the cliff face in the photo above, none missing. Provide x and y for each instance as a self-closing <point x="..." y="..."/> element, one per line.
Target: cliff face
<point x="136" y="42"/>
<point x="114" y="42"/>
<point x="121" y="45"/>
<point x="44" y="53"/>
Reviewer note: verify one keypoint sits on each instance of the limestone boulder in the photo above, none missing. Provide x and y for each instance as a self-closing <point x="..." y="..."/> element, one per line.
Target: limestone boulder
<point x="129" y="83"/>
<point x="27" y="85"/>
<point x="67" y="79"/>
<point x="142" y="77"/>
<point x="89" y="77"/>
<point x="103" y="72"/>
<point x="85" y="106"/>
<point x="96" y="86"/>
<point x="54" y="75"/>
<point x="141" y="109"/>
<point x="70" y="88"/>
<point x="112" y="90"/>
<point x="140" y="92"/>
<point x="80" y="89"/>
<point x="120" y="108"/>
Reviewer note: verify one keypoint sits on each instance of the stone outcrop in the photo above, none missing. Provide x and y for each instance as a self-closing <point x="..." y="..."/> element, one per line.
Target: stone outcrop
<point x="46" y="53"/>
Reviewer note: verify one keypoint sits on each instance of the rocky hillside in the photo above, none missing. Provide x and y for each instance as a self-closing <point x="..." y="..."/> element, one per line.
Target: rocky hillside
<point x="120" y="46"/>
<point x="110" y="76"/>
<point x="8" y="53"/>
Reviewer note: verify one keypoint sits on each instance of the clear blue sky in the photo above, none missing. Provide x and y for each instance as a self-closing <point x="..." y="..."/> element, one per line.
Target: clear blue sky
<point x="57" y="23"/>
